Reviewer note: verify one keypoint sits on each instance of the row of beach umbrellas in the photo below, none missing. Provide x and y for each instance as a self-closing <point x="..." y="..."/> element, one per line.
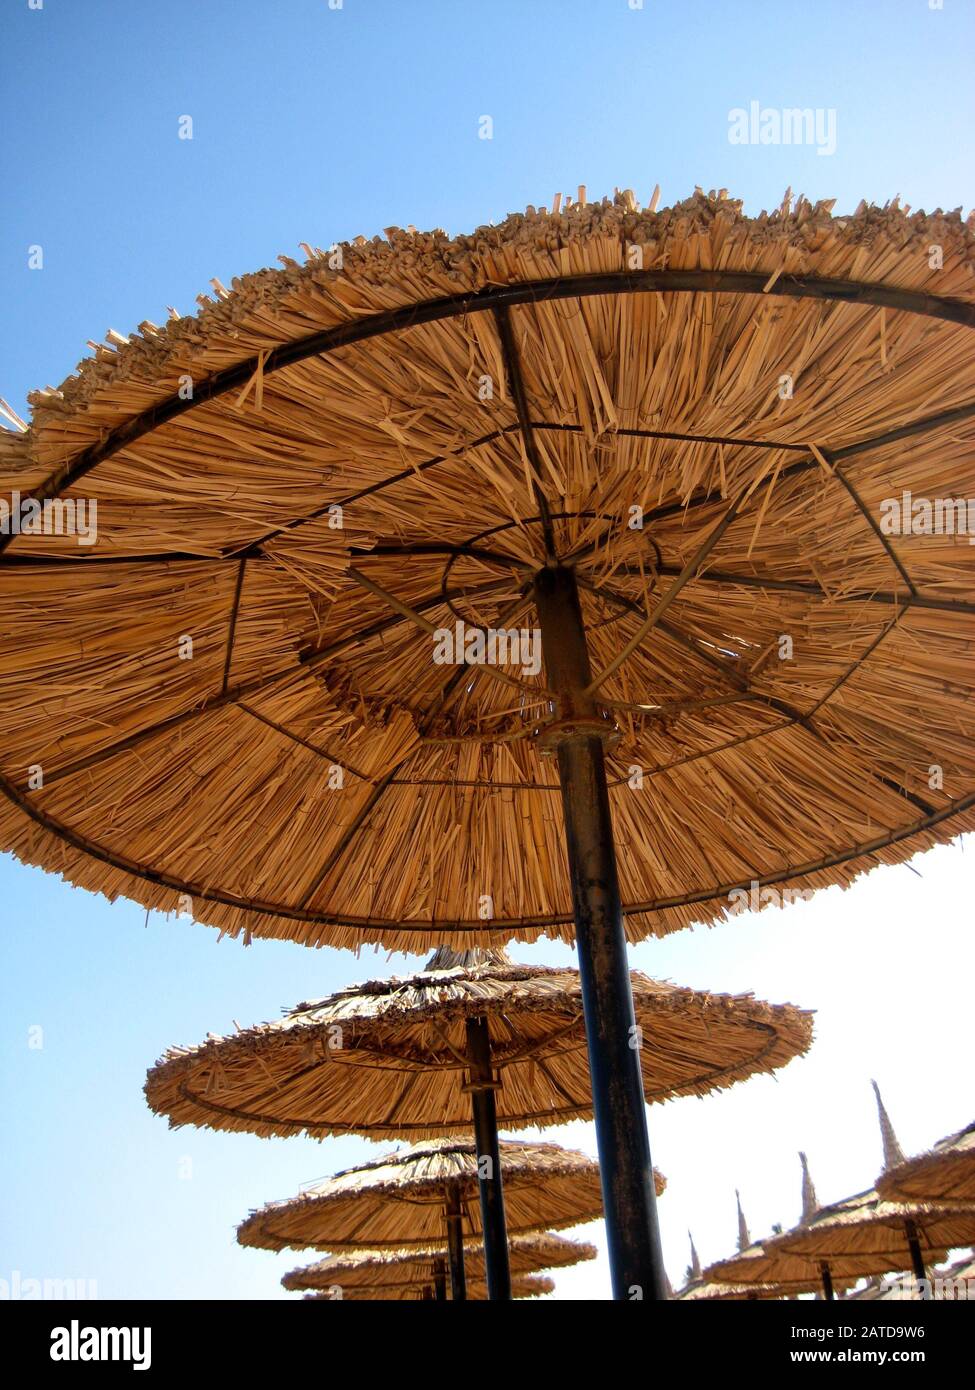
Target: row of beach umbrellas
<point x="918" y="1210"/>
<point x="392" y="1059"/>
<point x="450" y="590"/>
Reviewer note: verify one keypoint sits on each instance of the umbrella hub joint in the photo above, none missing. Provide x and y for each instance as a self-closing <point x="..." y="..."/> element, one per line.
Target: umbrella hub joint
<point x="474" y="1085"/>
<point x="578" y="714"/>
<point x="572" y="728"/>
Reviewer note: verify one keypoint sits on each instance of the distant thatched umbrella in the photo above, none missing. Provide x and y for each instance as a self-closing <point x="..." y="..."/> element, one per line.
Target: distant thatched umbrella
<point x="708" y="1291"/>
<point x="522" y="1286"/>
<point x="946" y="1174"/>
<point x="673" y="444"/>
<point x="757" y="1266"/>
<point x="759" y="1271"/>
<point x="425" y="1195"/>
<point x="474" y="1035"/>
<point x="390" y="1059"/>
<point x="697" y="1288"/>
<point x="865" y="1235"/>
<point x="408" y="1274"/>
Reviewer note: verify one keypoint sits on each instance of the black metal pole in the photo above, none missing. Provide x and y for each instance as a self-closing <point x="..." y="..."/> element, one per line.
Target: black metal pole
<point x="488" y="1156"/>
<point x="827" y="1279"/>
<point x="439" y="1281"/>
<point x="917" y="1259"/>
<point x="454" y="1215"/>
<point x="626" y="1174"/>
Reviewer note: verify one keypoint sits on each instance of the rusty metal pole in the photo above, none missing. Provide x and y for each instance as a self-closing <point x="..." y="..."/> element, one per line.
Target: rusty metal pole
<point x="488" y="1155"/>
<point x="454" y="1216"/>
<point x="577" y="735"/>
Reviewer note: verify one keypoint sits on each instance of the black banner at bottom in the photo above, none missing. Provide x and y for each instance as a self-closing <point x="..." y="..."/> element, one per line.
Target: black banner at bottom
<point x="171" y="1339"/>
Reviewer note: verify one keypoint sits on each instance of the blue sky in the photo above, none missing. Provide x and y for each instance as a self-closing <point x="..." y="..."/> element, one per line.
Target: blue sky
<point x="317" y="124"/>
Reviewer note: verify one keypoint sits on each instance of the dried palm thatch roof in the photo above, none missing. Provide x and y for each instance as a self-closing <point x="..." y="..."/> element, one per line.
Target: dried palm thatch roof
<point x="762" y="1267"/>
<point x="397" y="1200"/>
<point x="445" y="394"/>
<point x="703" y="1290"/>
<point x="761" y="1270"/>
<point x="522" y="1286"/>
<point x="387" y="1059"/>
<point x="946" y="1174"/>
<point x="415" y="1270"/>
<point x="865" y="1235"/>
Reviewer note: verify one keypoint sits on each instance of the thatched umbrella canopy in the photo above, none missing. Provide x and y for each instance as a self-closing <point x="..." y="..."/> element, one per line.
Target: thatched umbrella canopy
<point x="522" y="1286"/>
<point x="865" y="1235"/>
<point x="425" y="1196"/>
<point x="409" y="1273"/>
<point x="396" y="1201"/>
<point x="215" y="445"/>
<point x="389" y="1059"/>
<point x="358" y="491"/>
<point x="756" y="1268"/>
<point x="696" y="1288"/>
<point x="945" y="1174"/>
<point x="760" y="1268"/>
<point x="709" y="1292"/>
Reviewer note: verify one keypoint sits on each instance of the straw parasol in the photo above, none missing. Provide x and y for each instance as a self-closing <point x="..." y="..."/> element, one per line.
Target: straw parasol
<point x="661" y="440"/>
<point x="732" y="1293"/>
<point x="759" y="1267"/>
<point x="761" y="1272"/>
<point x="390" y="1060"/>
<point x="522" y="1286"/>
<point x="946" y="1174"/>
<point x="696" y="1288"/>
<point x="406" y="1274"/>
<point x="424" y="1196"/>
<point x="865" y="1235"/>
<point x="380" y="416"/>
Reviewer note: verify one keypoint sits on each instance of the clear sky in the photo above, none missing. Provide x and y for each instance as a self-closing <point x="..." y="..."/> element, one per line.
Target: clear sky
<point x="318" y="124"/>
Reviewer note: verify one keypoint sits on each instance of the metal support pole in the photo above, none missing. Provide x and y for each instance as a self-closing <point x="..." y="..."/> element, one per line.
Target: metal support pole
<point x="440" y="1281"/>
<point x="488" y="1156"/>
<point x="454" y="1215"/>
<point x="917" y="1259"/>
<point x="827" y="1279"/>
<point x="626" y="1173"/>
